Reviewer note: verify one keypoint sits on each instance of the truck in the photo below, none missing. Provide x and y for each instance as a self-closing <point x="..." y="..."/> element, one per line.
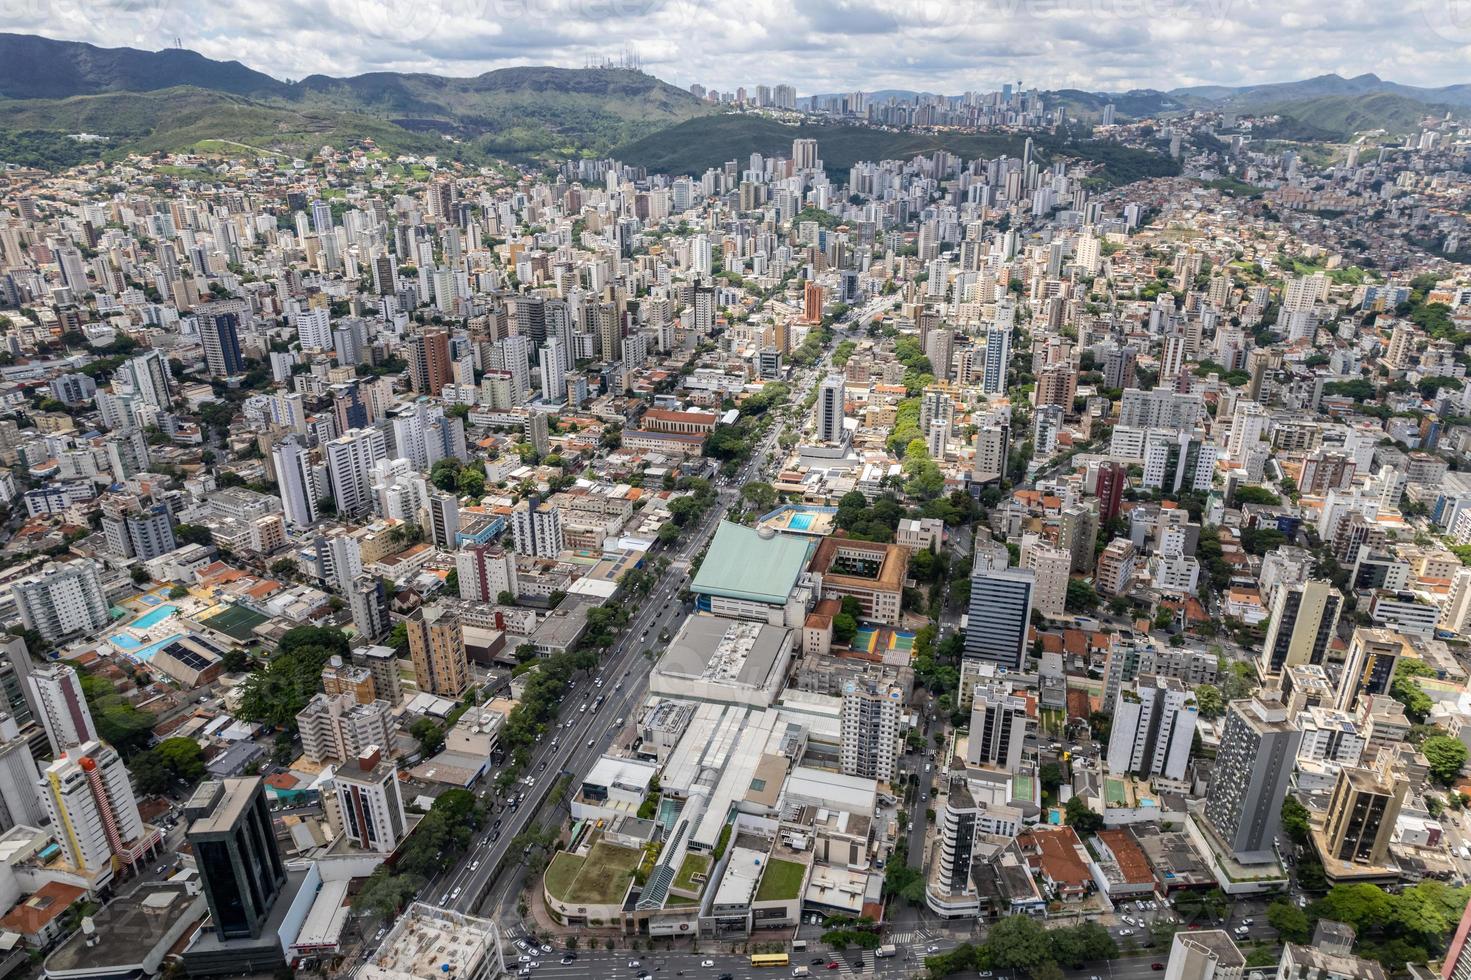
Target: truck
<point x="888" y="949"/>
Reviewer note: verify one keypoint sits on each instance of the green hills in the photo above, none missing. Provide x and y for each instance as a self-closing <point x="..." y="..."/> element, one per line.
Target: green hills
<point x="709" y="141"/>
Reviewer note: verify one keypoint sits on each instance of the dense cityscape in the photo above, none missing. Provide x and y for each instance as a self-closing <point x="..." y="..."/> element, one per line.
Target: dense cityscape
<point x="1045" y="562"/>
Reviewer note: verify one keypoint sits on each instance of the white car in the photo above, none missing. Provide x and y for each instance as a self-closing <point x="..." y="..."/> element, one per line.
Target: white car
<point x="521" y="945"/>
<point x="1126" y="932"/>
<point x="545" y="948"/>
<point x="707" y="962"/>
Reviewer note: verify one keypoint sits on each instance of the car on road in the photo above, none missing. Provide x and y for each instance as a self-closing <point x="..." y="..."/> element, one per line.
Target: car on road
<point x="633" y="964"/>
<point x="547" y="949"/>
<point x="1247" y="922"/>
<point x="1126" y="932"/>
<point x="707" y="962"/>
<point x="520" y="943"/>
<point x="566" y="959"/>
<point x="523" y="959"/>
<point x="474" y="865"/>
<point x="1156" y="966"/>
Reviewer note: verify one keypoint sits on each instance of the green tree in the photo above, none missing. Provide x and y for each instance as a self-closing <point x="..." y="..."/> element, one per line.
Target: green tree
<point x="761" y="496"/>
<point x="1445" y="757"/>
<point x="183" y="758"/>
<point x="1081" y="818"/>
<point x="1208" y="701"/>
<point x="1019" y="942"/>
<point x="429" y="734"/>
<point x="1051" y="775"/>
<point x="1295" y="820"/>
<point x="844" y="628"/>
<point x="471" y="483"/>
<point x="1081" y="596"/>
<point x="1290" y="922"/>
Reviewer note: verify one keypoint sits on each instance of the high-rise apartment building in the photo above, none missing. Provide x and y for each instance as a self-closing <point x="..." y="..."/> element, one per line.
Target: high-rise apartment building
<point x="437" y="647"/>
<point x="368" y="602"/>
<point x="1303" y="620"/>
<point x="831" y="409"/>
<point x="1373" y="655"/>
<point x="63" y="709"/>
<point x="219" y="333"/>
<point x="296" y="480"/>
<point x="998" y="728"/>
<point x="350" y="459"/>
<point x="62" y="600"/>
<point x="370" y="803"/>
<point x="20" y="803"/>
<point x="1153" y="724"/>
<point x="429" y="362"/>
<point x="90" y="801"/>
<point x="338" y="728"/>
<point x="537" y="529"/>
<point x="485" y="571"/>
<point x="1253" y="765"/>
<point x="871" y="712"/>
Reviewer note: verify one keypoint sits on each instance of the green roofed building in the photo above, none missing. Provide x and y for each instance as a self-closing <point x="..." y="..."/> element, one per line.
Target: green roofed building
<point x="753" y="573"/>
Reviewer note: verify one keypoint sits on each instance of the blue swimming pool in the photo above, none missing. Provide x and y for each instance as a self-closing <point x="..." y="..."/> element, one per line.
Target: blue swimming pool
<point x="154" y="616"/>
<point x="800" y="522"/>
<point x="146" y="654"/>
<point x="125" y="642"/>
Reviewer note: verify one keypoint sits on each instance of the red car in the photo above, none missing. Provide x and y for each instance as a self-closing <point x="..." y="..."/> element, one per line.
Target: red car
<point x="832" y="964"/>
<point x="1156" y="966"/>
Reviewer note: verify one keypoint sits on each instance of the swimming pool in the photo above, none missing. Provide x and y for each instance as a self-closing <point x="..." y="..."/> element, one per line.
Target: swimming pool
<point x="153" y="617"/>
<point x="146" y="653"/>
<point x="800" y="522"/>
<point x="125" y="642"/>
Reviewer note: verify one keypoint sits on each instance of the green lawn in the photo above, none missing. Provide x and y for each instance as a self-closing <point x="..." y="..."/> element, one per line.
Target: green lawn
<point x="781" y="882"/>
<point x="605" y="874"/>
<point x="561" y="873"/>
<point x="694" y="864"/>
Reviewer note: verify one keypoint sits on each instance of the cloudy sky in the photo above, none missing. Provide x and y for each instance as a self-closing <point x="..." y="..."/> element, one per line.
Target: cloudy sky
<point x="817" y="45"/>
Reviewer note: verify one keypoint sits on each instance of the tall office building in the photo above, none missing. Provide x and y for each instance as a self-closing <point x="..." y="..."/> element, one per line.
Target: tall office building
<point x="1153" y="724"/>
<point x="1362" y="814"/>
<point x="871" y="712"/>
<point x="296" y="481"/>
<point x="1304" y="618"/>
<point x="93" y="812"/>
<point x="235" y="850"/>
<point x="998" y="728"/>
<point x="1373" y="655"/>
<point x="999" y="613"/>
<point x="485" y="571"/>
<point x="62" y="600"/>
<point x="63" y="709"/>
<point x="437" y="647"/>
<point x="350" y="459"/>
<point x="429" y="362"/>
<point x="368" y="799"/>
<point x="219" y="333"/>
<point x="831" y="409"/>
<point x="1253" y="765"/>
<point x="812" y="299"/>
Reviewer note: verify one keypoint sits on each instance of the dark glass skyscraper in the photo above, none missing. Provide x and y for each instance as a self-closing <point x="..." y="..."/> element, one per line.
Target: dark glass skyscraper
<point x="235" y="850"/>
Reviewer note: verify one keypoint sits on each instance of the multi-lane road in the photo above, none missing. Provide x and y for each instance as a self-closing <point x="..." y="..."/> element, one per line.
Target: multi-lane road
<point x="583" y="732"/>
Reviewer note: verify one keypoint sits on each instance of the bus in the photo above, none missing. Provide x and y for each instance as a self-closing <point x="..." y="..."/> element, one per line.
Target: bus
<point x="769" y="959"/>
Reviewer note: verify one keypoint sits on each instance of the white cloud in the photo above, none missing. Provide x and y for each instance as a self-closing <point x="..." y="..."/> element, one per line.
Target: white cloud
<point x="816" y="45"/>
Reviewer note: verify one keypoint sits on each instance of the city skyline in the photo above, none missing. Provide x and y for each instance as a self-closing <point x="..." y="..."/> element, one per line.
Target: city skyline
<point x="821" y="47"/>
